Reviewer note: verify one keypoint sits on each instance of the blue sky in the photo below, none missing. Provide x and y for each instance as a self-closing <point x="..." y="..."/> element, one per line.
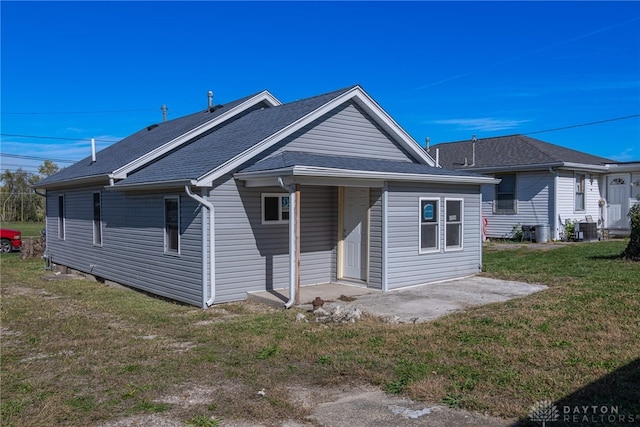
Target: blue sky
<point x="443" y="70"/>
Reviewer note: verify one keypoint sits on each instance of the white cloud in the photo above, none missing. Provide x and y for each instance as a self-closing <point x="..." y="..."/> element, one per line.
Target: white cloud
<point x="486" y="124"/>
<point x="626" y="155"/>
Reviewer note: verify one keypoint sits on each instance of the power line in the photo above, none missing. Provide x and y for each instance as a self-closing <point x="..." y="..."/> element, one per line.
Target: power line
<point x="74" y="112"/>
<point x="583" y="124"/>
<point x="24" y="157"/>
<point x="55" y="137"/>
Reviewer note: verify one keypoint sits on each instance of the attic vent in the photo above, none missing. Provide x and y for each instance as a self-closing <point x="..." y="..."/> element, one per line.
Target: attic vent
<point x="150" y="127"/>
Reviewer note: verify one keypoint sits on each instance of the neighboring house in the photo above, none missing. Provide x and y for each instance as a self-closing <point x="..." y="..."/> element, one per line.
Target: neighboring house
<point x="257" y="195"/>
<point x="544" y="184"/>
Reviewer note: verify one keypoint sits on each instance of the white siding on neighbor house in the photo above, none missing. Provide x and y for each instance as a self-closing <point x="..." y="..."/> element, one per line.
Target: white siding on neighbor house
<point x="132" y="251"/>
<point x="635" y="188"/>
<point x="345" y="131"/>
<point x="534" y="191"/>
<point x="251" y="256"/>
<point x="406" y="266"/>
<point x="567" y="198"/>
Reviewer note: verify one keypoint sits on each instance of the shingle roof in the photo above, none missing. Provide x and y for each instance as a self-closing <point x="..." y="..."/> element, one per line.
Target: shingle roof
<point x="138" y="144"/>
<point x="288" y="159"/>
<point x="214" y="149"/>
<point x="512" y="150"/>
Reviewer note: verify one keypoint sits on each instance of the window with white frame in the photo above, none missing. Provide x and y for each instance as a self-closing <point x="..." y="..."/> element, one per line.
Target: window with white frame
<point x="429" y="225"/>
<point x="505" y="194"/>
<point x="97" y="219"/>
<point x="172" y="225"/>
<point x="453" y="209"/>
<point x="275" y="208"/>
<point x="580" y="186"/>
<point x="61" y="218"/>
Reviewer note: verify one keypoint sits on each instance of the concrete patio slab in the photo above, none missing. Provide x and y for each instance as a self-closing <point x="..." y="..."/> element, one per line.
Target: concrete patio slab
<point x="413" y="305"/>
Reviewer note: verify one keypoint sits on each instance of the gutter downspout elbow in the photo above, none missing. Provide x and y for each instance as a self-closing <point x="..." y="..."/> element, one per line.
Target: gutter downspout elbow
<point x="211" y="249"/>
<point x="35" y="190"/>
<point x="292" y="243"/>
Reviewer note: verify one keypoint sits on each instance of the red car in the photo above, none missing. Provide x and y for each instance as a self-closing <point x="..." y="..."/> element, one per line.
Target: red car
<point x="9" y="240"/>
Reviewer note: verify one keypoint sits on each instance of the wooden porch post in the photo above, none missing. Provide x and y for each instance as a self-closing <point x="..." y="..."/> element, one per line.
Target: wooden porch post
<point x="297" y="236"/>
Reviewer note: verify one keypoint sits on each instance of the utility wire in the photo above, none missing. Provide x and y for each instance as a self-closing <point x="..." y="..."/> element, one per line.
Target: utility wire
<point x="76" y="112"/>
<point x="583" y="124"/>
<point x="24" y="157"/>
<point x="526" y="133"/>
<point x="56" y="137"/>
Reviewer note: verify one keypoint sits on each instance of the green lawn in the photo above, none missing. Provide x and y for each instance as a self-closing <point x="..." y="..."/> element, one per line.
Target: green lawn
<point x="81" y="353"/>
<point x="28" y="229"/>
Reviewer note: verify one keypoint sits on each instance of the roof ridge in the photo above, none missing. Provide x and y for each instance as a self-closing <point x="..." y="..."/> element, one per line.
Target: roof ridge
<point x="336" y="92"/>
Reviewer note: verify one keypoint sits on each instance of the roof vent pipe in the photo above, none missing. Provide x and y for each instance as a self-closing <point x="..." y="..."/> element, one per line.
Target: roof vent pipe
<point x="164" y="112"/>
<point x="427" y="140"/>
<point x="210" y="96"/>
<point x="93" y="150"/>
<point x="473" y="154"/>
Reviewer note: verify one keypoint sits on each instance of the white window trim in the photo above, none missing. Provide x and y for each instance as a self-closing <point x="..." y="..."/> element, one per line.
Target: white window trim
<point x="168" y="251"/>
<point x="437" y="224"/>
<point x="280" y="220"/>
<point x="584" y="192"/>
<point x="496" y="211"/>
<point x="94" y="219"/>
<point x="457" y="223"/>
<point x="62" y="223"/>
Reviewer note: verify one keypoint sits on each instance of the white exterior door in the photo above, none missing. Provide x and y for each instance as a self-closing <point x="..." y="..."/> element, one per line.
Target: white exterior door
<point x="356" y="208"/>
<point x="618" y="193"/>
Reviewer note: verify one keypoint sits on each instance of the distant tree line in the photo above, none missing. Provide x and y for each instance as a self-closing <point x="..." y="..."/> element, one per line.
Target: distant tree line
<point x="18" y="201"/>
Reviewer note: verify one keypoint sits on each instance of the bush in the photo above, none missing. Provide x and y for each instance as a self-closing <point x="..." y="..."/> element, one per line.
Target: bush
<point x="632" y="252"/>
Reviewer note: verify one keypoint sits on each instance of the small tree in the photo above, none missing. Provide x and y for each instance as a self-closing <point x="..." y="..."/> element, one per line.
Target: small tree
<point x="632" y="252"/>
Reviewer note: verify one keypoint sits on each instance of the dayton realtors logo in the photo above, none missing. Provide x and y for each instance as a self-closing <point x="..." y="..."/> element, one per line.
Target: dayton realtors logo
<point x="545" y="411"/>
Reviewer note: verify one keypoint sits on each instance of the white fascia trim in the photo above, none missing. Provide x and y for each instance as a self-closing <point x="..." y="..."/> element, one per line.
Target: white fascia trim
<point x="623" y="167"/>
<point x="159" y="185"/>
<point x="533" y="167"/>
<point x="75" y="182"/>
<point x="313" y="171"/>
<point x="586" y="167"/>
<point x="507" y="169"/>
<point x="356" y="93"/>
<point x="123" y="171"/>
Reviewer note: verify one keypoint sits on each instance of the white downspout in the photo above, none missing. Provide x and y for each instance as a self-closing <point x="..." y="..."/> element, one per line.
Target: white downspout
<point x="207" y="249"/>
<point x="292" y="241"/>
<point x="482" y="236"/>
<point x="555" y="223"/>
<point x="385" y="238"/>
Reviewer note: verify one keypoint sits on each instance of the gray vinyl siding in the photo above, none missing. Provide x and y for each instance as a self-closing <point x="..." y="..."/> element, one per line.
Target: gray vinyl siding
<point x="251" y="256"/>
<point x="406" y="265"/>
<point x="375" y="239"/>
<point x="534" y="191"/>
<point x="132" y="251"/>
<point x="346" y="130"/>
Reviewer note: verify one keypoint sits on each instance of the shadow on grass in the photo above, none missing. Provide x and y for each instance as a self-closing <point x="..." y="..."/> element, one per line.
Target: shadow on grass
<point x="606" y="257"/>
<point x="612" y="400"/>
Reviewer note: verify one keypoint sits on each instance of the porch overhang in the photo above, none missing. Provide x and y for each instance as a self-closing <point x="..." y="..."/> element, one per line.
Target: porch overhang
<point x="313" y="175"/>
